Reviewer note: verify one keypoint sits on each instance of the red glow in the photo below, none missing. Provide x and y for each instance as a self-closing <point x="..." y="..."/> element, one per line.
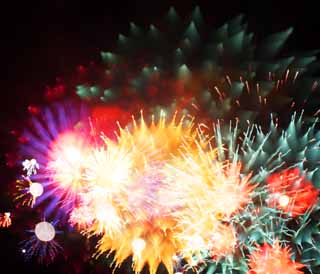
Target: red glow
<point x="81" y="69"/>
<point x="23" y="140"/>
<point x="11" y="159"/>
<point x="55" y="92"/>
<point x="291" y="192"/>
<point x="105" y="119"/>
<point x="152" y="90"/>
<point x="179" y="87"/>
<point x="34" y="110"/>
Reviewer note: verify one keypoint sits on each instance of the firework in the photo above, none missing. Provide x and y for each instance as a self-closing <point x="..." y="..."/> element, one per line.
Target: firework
<point x="5" y="219"/>
<point x="27" y="191"/>
<point x="41" y="148"/>
<point x="65" y="167"/>
<point x="133" y="192"/>
<point x="173" y="191"/>
<point x="268" y="259"/>
<point x="291" y="192"/>
<point x="41" y="245"/>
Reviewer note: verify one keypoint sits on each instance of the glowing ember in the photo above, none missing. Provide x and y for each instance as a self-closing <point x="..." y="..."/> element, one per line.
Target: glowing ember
<point x="36" y="190"/>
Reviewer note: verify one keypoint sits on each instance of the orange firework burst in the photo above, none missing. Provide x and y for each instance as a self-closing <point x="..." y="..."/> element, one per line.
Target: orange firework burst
<point x="5" y="219"/>
<point x="157" y="191"/>
<point x="273" y="259"/>
<point x="291" y="192"/>
<point x="127" y="193"/>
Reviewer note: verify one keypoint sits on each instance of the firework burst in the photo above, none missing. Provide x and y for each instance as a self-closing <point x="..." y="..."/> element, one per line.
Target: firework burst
<point x="5" y="219"/>
<point x="291" y="192"/>
<point x="268" y="259"/>
<point x="53" y="149"/>
<point x="134" y="193"/>
<point x="41" y="245"/>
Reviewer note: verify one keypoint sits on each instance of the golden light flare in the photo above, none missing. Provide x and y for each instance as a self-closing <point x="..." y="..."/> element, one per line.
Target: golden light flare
<point x="160" y="244"/>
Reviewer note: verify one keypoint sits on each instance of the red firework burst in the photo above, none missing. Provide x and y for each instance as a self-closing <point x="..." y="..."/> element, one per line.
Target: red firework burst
<point x="273" y="259"/>
<point x="291" y="192"/>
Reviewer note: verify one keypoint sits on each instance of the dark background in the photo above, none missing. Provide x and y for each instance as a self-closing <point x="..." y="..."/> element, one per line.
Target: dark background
<point x="41" y="40"/>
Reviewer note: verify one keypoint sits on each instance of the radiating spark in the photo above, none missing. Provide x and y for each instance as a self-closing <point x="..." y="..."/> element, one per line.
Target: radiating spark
<point x="155" y="192"/>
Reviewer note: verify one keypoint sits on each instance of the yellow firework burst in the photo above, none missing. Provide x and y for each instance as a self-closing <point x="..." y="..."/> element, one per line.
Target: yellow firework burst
<point x="211" y="193"/>
<point x="27" y="191"/>
<point x="126" y="192"/>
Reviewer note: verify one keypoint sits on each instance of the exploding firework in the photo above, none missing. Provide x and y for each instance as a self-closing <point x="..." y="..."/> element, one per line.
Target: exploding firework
<point x="41" y="245"/>
<point x="291" y="192"/>
<point x="53" y="152"/>
<point x="139" y="217"/>
<point x="27" y="191"/>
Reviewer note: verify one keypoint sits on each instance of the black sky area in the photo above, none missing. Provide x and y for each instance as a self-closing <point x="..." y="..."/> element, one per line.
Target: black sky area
<point x="42" y="40"/>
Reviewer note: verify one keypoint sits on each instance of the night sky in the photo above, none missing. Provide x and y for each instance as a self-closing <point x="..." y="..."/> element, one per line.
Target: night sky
<point x="42" y="40"/>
